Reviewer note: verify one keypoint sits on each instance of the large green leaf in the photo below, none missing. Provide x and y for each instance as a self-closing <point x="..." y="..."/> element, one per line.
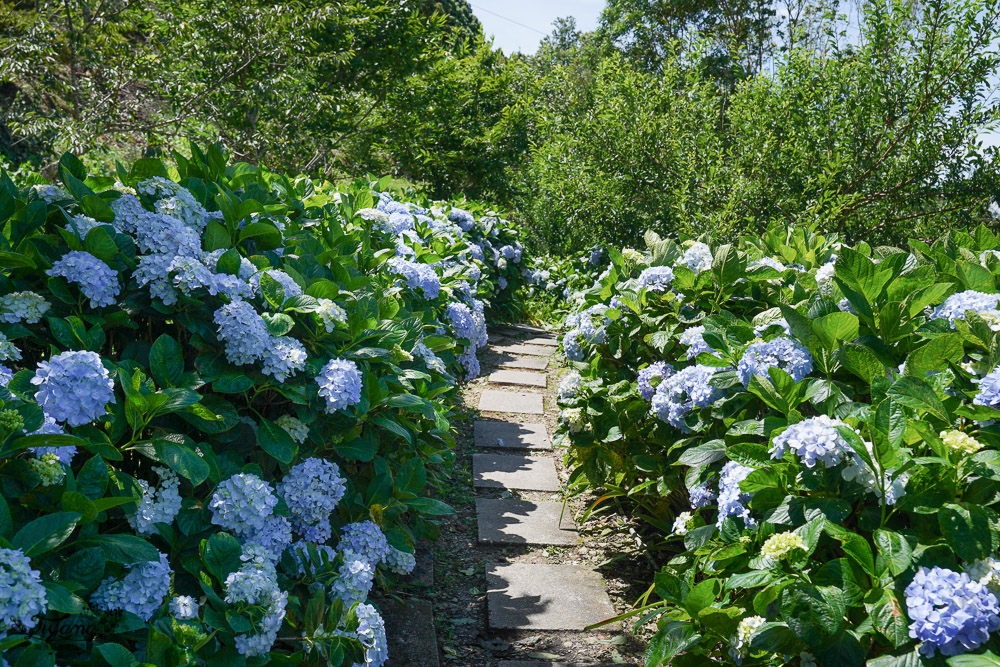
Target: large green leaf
<point x="45" y="533"/>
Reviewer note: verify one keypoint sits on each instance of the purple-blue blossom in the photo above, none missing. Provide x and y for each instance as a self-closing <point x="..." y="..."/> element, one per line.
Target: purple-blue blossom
<point x="311" y="490"/>
<point x="242" y="504"/>
<point x="417" y="276"/>
<point x="693" y="339"/>
<point x="989" y="390"/>
<point x="785" y="353"/>
<point x="284" y="356"/>
<point x="256" y="584"/>
<point x="73" y="387"/>
<point x="651" y="377"/>
<point x="22" y="596"/>
<point x="701" y="495"/>
<point x="686" y="390"/>
<point x="655" y="278"/>
<point x="354" y="579"/>
<point x="140" y="592"/>
<point x="243" y="331"/>
<point x="955" y="306"/>
<point x="366" y="540"/>
<point x="340" y="384"/>
<point x="97" y="281"/>
<point x="950" y="613"/>
<point x="732" y="501"/>
<point x="813" y="440"/>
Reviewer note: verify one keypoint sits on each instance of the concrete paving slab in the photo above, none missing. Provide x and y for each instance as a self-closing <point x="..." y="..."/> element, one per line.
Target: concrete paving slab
<point x="492" y="400"/>
<point x="506" y="471"/>
<point x="520" y="378"/>
<point x="511" y="435"/>
<point x="530" y="363"/>
<point x="535" y="663"/>
<point x="520" y="348"/>
<point x="524" y="522"/>
<point x="541" y="340"/>
<point x="410" y="633"/>
<point x="526" y="596"/>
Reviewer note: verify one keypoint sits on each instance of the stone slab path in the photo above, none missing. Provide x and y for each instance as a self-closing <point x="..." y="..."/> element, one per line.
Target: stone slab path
<point x="529" y="596"/>
<point x="530" y="350"/>
<point x="520" y="402"/>
<point x="504" y="471"/>
<point x="410" y="633"/>
<point x="530" y="363"/>
<point x="511" y="435"/>
<point x="522" y="378"/>
<point x="524" y="522"/>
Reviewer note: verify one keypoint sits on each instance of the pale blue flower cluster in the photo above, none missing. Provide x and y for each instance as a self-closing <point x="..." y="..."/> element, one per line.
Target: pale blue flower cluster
<point x="256" y="584"/>
<point x="48" y="193"/>
<point x="399" y="561"/>
<point x="433" y="362"/>
<point x="594" y="332"/>
<point x="82" y="224"/>
<point x="330" y="315"/>
<point x="693" y="339"/>
<point x="366" y="540"/>
<point x="160" y="234"/>
<point x="242" y="504"/>
<point x="417" y="276"/>
<point x="140" y="592"/>
<point x="158" y="504"/>
<point x="732" y="501"/>
<point x="64" y="453"/>
<point x="340" y="384"/>
<point x="354" y="579"/>
<point x="989" y="390"/>
<point x="950" y="613"/>
<point x="768" y="261"/>
<point x="701" y="495"/>
<point x="461" y="319"/>
<point x="174" y="200"/>
<point x="98" y="281"/>
<point x="655" y="278"/>
<point x="284" y="356"/>
<point x="651" y="376"/>
<point x="956" y="305"/>
<point x="270" y="540"/>
<point x="184" y="608"/>
<point x="8" y="350"/>
<point x="572" y="347"/>
<point x="697" y="257"/>
<point x="22" y="306"/>
<point x="22" y="596"/>
<point x="371" y="634"/>
<point x="785" y="353"/>
<point x="686" y="390"/>
<point x="243" y="331"/>
<point x="73" y="387"/>
<point x="312" y="489"/>
<point x="462" y="218"/>
<point x="570" y="386"/>
<point x="813" y="440"/>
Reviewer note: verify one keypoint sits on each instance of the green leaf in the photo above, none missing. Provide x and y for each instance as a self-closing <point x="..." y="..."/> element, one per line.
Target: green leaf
<point x="889" y="618"/>
<point x="166" y="361"/>
<point x="861" y="361"/>
<point x="836" y="327"/>
<point x="429" y="506"/>
<point x="895" y="552"/>
<point x="45" y="533"/>
<point x="58" y="598"/>
<point x="987" y="659"/>
<point x="915" y="393"/>
<point x="85" y="567"/>
<point x="276" y="441"/>
<point x="702" y="595"/>
<point x="814" y="613"/>
<point x="222" y="555"/>
<point x="216" y="236"/>
<point x="966" y="529"/>
<point x="861" y="274"/>
<point x="272" y="290"/>
<point x="117" y="655"/>
<point x="121" y="548"/>
<point x="727" y="265"/>
<point x="673" y="638"/>
<point x="935" y="355"/>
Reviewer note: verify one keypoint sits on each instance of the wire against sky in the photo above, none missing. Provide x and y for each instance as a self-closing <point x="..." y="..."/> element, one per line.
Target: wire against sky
<point x="483" y="9"/>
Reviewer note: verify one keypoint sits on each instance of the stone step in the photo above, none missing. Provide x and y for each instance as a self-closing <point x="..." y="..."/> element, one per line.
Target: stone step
<point x="542" y="340"/>
<point x="521" y="329"/>
<point x="492" y="400"/>
<point x="505" y="471"/>
<point x="511" y="435"/>
<point x="536" y="663"/>
<point x="524" y="522"/>
<point x="526" y="596"/>
<point x="409" y="629"/>
<point x="521" y="378"/>
<point x="530" y="350"/>
<point x="531" y="363"/>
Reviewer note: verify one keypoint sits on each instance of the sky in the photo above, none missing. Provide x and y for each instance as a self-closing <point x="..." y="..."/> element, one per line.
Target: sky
<point x="518" y="25"/>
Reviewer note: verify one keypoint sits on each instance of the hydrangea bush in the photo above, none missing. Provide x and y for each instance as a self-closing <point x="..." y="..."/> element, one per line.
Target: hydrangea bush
<point x="810" y="431"/>
<point x="224" y="399"/>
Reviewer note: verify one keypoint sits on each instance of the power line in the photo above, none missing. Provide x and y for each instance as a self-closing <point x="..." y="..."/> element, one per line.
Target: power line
<point x="483" y="9"/>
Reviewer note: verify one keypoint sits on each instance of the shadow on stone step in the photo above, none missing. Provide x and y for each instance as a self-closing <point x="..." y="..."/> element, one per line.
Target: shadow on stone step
<point x="410" y="633"/>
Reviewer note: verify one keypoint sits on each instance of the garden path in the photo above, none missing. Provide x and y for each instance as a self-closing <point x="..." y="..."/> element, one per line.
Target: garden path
<point x="537" y="594"/>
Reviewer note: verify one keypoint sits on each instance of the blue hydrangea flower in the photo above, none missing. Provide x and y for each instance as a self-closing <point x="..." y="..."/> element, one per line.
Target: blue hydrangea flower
<point x="462" y="218"/>
<point x="656" y="372"/>
<point x="656" y="278"/>
<point x="129" y="214"/>
<point x="166" y="235"/>
<point x="64" y="453"/>
<point x="696" y="344"/>
<point x="785" y="353"/>
<point x="256" y="584"/>
<point x="22" y="306"/>
<point x="330" y="314"/>
<point x="233" y="287"/>
<point x="682" y="392"/>
<point x="955" y="306"/>
<point x="354" y="579"/>
<point x="461" y="320"/>
<point x="989" y="390"/>
<point x="697" y="257"/>
<point x="470" y="363"/>
<point x="272" y="538"/>
<point x="22" y="596"/>
<point x="572" y="347"/>
<point x="284" y="356"/>
<point x="184" y="608"/>
<point x="366" y="540"/>
<point x="593" y="332"/>
<point x="595" y="256"/>
<point x="190" y="274"/>
<point x="73" y="387"/>
<point x="814" y="439"/>
<point x="158" y="504"/>
<point x="6" y="375"/>
<point x="570" y="386"/>
<point x="418" y="276"/>
<point x="732" y="501"/>
<point x="312" y="489"/>
<point x="340" y="384"/>
<point x="701" y="495"/>
<point x="154" y="270"/>
<point x="98" y="281"/>
<point x="288" y="284"/>
<point x="399" y="561"/>
<point x="242" y="503"/>
<point x="140" y="592"/>
<point x="476" y="252"/>
<point x="950" y="613"/>
<point x="371" y="633"/>
<point x="243" y="331"/>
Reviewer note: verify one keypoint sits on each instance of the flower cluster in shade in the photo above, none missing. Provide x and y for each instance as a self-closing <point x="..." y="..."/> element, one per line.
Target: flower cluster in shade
<point x="22" y="595"/>
<point x="949" y="612"/>
<point x="158" y="504"/>
<point x="745" y="631"/>
<point x="732" y="501"/>
<point x="256" y="584"/>
<point x="780" y="545"/>
<point x="98" y="281"/>
<point x="958" y="441"/>
<point x="371" y="634"/>
<point x="785" y="353"/>
<point x="570" y="386"/>
<point x="686" y="390"/>
<point x="311" y="490"/>
<point x="27" y="307"/>
<point x="701" y="495"/>
<point x="340" y="384"/>
<point x="184" y="608"/>
<point x="73" y="387"/>
<point x="141" y="591"/>
<point x="989" y="390"/>
<point x="244" y="505"/>
<point x="651" y="376"/>
<point x="366" y="540"/>
<point x="956" y="305"/>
